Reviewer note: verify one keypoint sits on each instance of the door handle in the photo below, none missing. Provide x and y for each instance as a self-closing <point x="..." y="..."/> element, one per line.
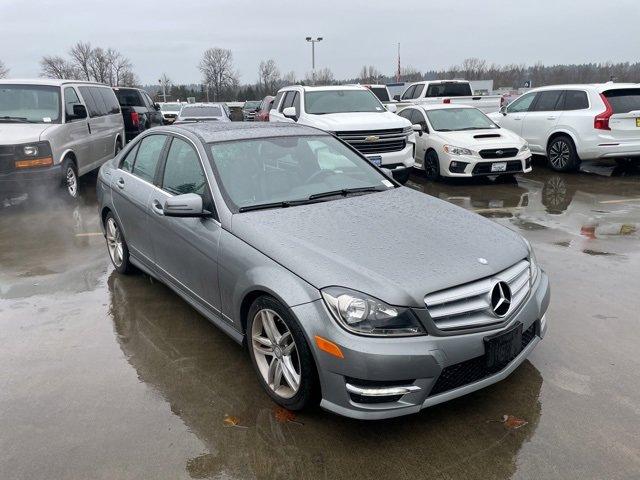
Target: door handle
<point x="551" y="118"/>
<point x="120" y="183"/>
<point x="157" y="208"/>
<point x="89" y="127"/>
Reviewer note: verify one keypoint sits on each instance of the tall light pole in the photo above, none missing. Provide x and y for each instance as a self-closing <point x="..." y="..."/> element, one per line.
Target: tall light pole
<point x="164" y="90"/>
<point x="313" y="42"/>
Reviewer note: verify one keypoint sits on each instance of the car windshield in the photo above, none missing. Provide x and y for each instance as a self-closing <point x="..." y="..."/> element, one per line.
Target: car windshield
<point x="29" y="104"/>
<point x="171" y="107"/>
<point x="290" y="169"/>
<point x="341" y="101"/>
<point x="456" y="119"/>
<point x="196" y="112"/>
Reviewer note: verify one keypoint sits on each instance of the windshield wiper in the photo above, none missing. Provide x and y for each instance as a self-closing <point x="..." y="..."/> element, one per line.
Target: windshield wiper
<point x="15" y="119"/>
<point x="264" y="206"/>
<point x="345" y="191"/>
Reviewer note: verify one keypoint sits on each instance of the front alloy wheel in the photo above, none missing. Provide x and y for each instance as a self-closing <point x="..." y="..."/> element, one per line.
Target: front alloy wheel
<point x="275" y="353"/>
<point x="70" y="179"/>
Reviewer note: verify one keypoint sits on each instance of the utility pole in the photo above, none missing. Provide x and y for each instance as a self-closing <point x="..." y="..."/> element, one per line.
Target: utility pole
<point x="313" y="42"/>
<point x="164" y="90"/>
<point x="398" y="72"/>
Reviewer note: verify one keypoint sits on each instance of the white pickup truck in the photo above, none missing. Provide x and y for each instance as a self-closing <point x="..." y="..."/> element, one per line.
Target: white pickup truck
<point x="447" y="91"/>
<point x="353" y="114"/>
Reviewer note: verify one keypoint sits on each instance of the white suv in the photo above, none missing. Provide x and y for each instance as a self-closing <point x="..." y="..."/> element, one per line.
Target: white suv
<point x="355" y="115"/>
<point x="570" y="123"/>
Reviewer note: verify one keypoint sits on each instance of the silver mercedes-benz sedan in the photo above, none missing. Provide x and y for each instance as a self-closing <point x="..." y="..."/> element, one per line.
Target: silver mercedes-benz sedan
<point x="346" y="288"/>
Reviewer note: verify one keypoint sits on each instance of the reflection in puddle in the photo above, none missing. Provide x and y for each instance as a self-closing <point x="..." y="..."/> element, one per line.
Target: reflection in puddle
<point x="205" y="377"/>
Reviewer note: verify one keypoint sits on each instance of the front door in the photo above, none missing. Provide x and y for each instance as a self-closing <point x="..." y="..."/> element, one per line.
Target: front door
<point x="133" y="184"/>
<point x="186" y="249"/>
<point x="541" y="119"/>
<point x="516" y="112"/>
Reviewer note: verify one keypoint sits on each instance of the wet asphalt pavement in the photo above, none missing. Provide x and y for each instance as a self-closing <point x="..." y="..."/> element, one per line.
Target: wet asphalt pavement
<point x="104" y="376"/>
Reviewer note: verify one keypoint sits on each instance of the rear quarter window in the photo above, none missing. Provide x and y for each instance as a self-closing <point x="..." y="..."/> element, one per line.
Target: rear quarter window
<point x="623" y="100"/>
<point x="575" y="100"/>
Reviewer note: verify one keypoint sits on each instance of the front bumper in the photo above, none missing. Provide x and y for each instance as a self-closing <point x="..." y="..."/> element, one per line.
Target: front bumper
<point x="400" y="160"/>
<point x="412" y="363"/>
<point x="479" y="167"/>
<point x="20" y="181"/>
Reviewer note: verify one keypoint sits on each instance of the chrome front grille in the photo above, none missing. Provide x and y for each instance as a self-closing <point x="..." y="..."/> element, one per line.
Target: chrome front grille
<point x="377" y="141"/>
<point x="469" y="305"/>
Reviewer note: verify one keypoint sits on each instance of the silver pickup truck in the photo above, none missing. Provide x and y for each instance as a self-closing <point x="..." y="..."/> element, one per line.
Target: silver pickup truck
<point x="446" y="91"/>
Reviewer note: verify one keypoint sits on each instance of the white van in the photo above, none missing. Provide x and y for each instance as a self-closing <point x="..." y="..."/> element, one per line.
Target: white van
<point x="54" y="131"/>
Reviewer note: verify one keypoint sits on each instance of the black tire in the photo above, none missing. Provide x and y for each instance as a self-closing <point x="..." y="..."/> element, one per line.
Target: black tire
<point x="432" y="165"/>
<point x="307" y="393"/>
<point x="561" y="154"/>
<point x="124" y="266"/>
<point x="118" y="148"/>
<point x="402" y="176"/>
<point x="69" y="181"/>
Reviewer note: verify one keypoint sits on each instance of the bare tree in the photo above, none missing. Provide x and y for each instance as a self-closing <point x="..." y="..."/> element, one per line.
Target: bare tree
<point x="411" y="74"/>
<point x="217" y="69"/>
<point x="165" y="86"/>
<point x="369" y="74"/>
<point x="324" y="76"/>
<point x="81" y="56"/>
<point x="53" y="66"/>
<point x="4" y="70"/>
<point x="289" y="79"/>
<point x="268" y="76"/>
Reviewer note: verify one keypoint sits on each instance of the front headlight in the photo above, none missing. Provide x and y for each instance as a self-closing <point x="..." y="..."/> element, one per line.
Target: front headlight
<point x="30" y="150"/>
<point x="451" y="150"/>
<point x="524" y="148"/>
<point x="534" y="268"/>
<point x="365" y="315"/>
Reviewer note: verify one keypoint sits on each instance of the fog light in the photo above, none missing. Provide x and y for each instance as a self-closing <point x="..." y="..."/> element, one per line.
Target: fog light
<point x="30" y="150"/>
<point x="457" y="167"/>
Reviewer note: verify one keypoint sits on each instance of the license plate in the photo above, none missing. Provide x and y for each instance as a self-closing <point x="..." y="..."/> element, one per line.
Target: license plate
<point x="499" y="167"/>
<point x="377" y="160"/>
<point x="502" y="348"/>
<point x="637" y="122"/>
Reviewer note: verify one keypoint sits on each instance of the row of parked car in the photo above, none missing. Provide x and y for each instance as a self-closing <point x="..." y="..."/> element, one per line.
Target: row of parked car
<point x="55" y="130"/>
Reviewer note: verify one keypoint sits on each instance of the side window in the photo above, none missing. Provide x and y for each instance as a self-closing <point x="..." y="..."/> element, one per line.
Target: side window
<point x="127" y="162"/>
<point x="100" y="103"/>
<point x="406" y="113"/>
<point x="575" y="100"/>
<point x="417" y="117"/>
<point x="92" y="108"/>
<point x="148" y="156"/>
<point x="110" y="100"/>
<point x="407" y="95"/>
<point x="418" y="91"/>
<point x="70" y="99"/>
<point x="276" y="101"/>
<point x="183" y="172"/>
<point x="296" y="103"/>
<point x="148" y="100"/>
<point x="288" y="100"/>
<point x="521" y="104"/>
<point x="546" y="101"/>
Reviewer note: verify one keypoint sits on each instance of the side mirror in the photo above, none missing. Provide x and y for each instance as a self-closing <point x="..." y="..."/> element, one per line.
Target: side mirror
<point x="290" y="112"/>
<point x="156" y="106"/>
<point x="503" y="110"/>
<point x="392" y="107"/>
<point x="396" y="97"/>
<point x="79" y="112"/>
<point x="187" y="205"/>
<point x="416" y="127"/>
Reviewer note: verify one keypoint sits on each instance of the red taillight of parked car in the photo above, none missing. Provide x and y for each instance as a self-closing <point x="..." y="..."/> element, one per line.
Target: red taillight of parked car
<point x="135" y="119"/>
<point x="601" y="122"/>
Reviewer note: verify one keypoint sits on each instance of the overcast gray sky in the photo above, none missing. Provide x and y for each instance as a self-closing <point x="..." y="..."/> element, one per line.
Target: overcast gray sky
<point x="169" y="36"/>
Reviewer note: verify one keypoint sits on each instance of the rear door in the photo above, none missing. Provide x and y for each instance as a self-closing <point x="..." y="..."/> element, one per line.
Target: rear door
<point x="98" y="124"/>
<point x="541" y="119"/>
<point x="516" y="112"/>
<point x="625" y="121"/>
<point x="133" y="184"/>
<point x="113" y="118"/>
<point x="186" y="249"/>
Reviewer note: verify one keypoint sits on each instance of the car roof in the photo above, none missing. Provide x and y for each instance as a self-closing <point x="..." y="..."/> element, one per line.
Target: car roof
<point x="599" y="87"/>
<point x="212" y="132"/>
<point x="320" y="88"/>
<point x="441" y="106"/>
<point x="55" y="82"/>
<point x="202" y="104"/>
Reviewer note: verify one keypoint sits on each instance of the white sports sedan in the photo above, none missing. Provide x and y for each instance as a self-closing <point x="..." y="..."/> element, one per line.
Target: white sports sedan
<point x="461" y="141"/>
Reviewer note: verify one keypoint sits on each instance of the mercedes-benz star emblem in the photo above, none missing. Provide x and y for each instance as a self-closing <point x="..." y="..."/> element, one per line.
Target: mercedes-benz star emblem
<point x="500" y="299"/>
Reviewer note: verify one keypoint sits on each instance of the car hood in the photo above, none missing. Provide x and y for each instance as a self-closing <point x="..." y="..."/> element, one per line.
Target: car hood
<point x="396" y="245"/>
<point x="356" y="121"/>
<point x="12" y="133"/>
<point x="476" y="139"/>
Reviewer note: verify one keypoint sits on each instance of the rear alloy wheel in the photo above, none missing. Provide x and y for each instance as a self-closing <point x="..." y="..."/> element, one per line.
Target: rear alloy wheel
<point x="562" y="154"/>
<point x="116" y="245"/>
<point x="280" y="354"/>
<point x="432" y="165"/>
<point x="70" y="178"/>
